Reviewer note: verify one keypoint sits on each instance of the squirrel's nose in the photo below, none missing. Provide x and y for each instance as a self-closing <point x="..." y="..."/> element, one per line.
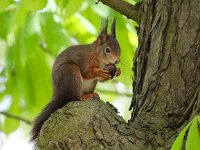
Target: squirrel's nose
<point x="117" y="61"/>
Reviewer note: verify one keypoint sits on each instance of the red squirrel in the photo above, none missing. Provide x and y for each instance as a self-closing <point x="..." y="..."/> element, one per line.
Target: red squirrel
<point x="76" y="72"/>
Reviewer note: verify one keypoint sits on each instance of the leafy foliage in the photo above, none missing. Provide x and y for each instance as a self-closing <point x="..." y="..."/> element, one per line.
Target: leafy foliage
<point x="189" y="138"/>
<point x="33" y="33"/>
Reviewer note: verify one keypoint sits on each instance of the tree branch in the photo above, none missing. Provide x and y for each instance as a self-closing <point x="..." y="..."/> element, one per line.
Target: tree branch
<point x="124" y="8"/>
<point x="91" y="124"/>
<point x="45" y="49"/>
<point x="15" y="117"/>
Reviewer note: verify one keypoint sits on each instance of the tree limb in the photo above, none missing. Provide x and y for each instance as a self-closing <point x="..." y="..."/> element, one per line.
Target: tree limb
<point x="124" y="8"/>
<point x="91" y="124"/>
<point x="15" y="117"/>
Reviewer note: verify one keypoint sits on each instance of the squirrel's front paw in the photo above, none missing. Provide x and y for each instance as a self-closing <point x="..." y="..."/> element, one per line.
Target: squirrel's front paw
<point x="104" y="74"/>
<point x="113" y="71"/>
<point x="117" y="72"/>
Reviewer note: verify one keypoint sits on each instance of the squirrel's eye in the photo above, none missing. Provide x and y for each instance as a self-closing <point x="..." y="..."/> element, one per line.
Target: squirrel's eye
<point x="107" y="50"/>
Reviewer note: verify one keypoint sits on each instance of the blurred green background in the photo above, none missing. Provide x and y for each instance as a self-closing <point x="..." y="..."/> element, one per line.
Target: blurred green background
<point x="33" y="33"/>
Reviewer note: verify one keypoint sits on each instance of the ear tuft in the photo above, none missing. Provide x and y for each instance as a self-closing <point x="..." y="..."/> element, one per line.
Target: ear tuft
<point x="113" y="28"/>
<point x="104" y="26"/>
<point x="103" y="35"/>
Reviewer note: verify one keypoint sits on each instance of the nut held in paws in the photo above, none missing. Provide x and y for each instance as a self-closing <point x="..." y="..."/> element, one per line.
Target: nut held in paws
<point x="111" y="68"/>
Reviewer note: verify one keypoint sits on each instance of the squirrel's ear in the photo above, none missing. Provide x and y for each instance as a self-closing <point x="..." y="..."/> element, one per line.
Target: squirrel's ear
<point x="113" y="28"/>
<point x="103" y="35"/>
<point x="102" y="38"/>
<point x="104" y="27"/>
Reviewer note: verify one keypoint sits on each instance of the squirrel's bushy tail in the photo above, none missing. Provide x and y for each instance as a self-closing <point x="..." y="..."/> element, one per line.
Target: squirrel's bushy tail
<point x="51" y="107"/>
<point x="66" y="87"/>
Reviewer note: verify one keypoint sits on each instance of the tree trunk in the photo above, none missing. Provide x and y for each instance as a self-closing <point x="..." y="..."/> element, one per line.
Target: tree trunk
<point x="167" y="70"/>
<point x="166" y="88"/>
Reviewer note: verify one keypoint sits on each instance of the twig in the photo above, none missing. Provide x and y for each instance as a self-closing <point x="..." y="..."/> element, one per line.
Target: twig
<point x="125" y="8"/>
<point x="15" y="117"/>
<point x="45" y="49"/>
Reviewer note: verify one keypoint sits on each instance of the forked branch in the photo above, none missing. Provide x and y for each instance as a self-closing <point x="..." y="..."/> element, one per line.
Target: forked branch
<point x="125" y="8"/>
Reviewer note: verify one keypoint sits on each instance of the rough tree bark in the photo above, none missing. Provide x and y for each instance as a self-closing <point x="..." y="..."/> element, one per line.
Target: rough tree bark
<point x="167" y="73"/>
<point x="166" y="88"/>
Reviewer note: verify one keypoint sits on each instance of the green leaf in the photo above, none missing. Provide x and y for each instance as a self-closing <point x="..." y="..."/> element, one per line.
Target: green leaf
<point x="193" y="138"/>
<point x="10" y="125"/>
<point x="68" y="8"/>
<point x="40" y="79"/>
<point x="5" y="18"/>
<point x="34" y="5"/>
<point x="19" y="17"/>
<point x="179" y="140"/>
<point x="29" y="38"/>
<point x="61" y="3"/>
<point x="127" y="52"/>
<point x="4" y="4"/>
<point x="54" y="34"/>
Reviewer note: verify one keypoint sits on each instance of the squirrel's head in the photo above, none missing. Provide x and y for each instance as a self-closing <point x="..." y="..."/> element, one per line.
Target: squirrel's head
<point x="107" y="46"/>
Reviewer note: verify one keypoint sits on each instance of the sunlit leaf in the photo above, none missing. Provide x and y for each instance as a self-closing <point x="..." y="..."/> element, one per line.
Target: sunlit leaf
<point x="10" y="125"/>
<point x="127" y="52"/>
<point x="68" y="8"/>
<point x="19" y="17"/>
<point x="61" y="3"/>
<point x="4" y="4"/>
<point x="29" y="38"/>
<point x="193" y="138"/>
<point x="34" y="5"/>
<point x="5" y="24"/>
<point x="179" y="140"/>
<point x="39" y="80"/>
<point x="54" y="35"/>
